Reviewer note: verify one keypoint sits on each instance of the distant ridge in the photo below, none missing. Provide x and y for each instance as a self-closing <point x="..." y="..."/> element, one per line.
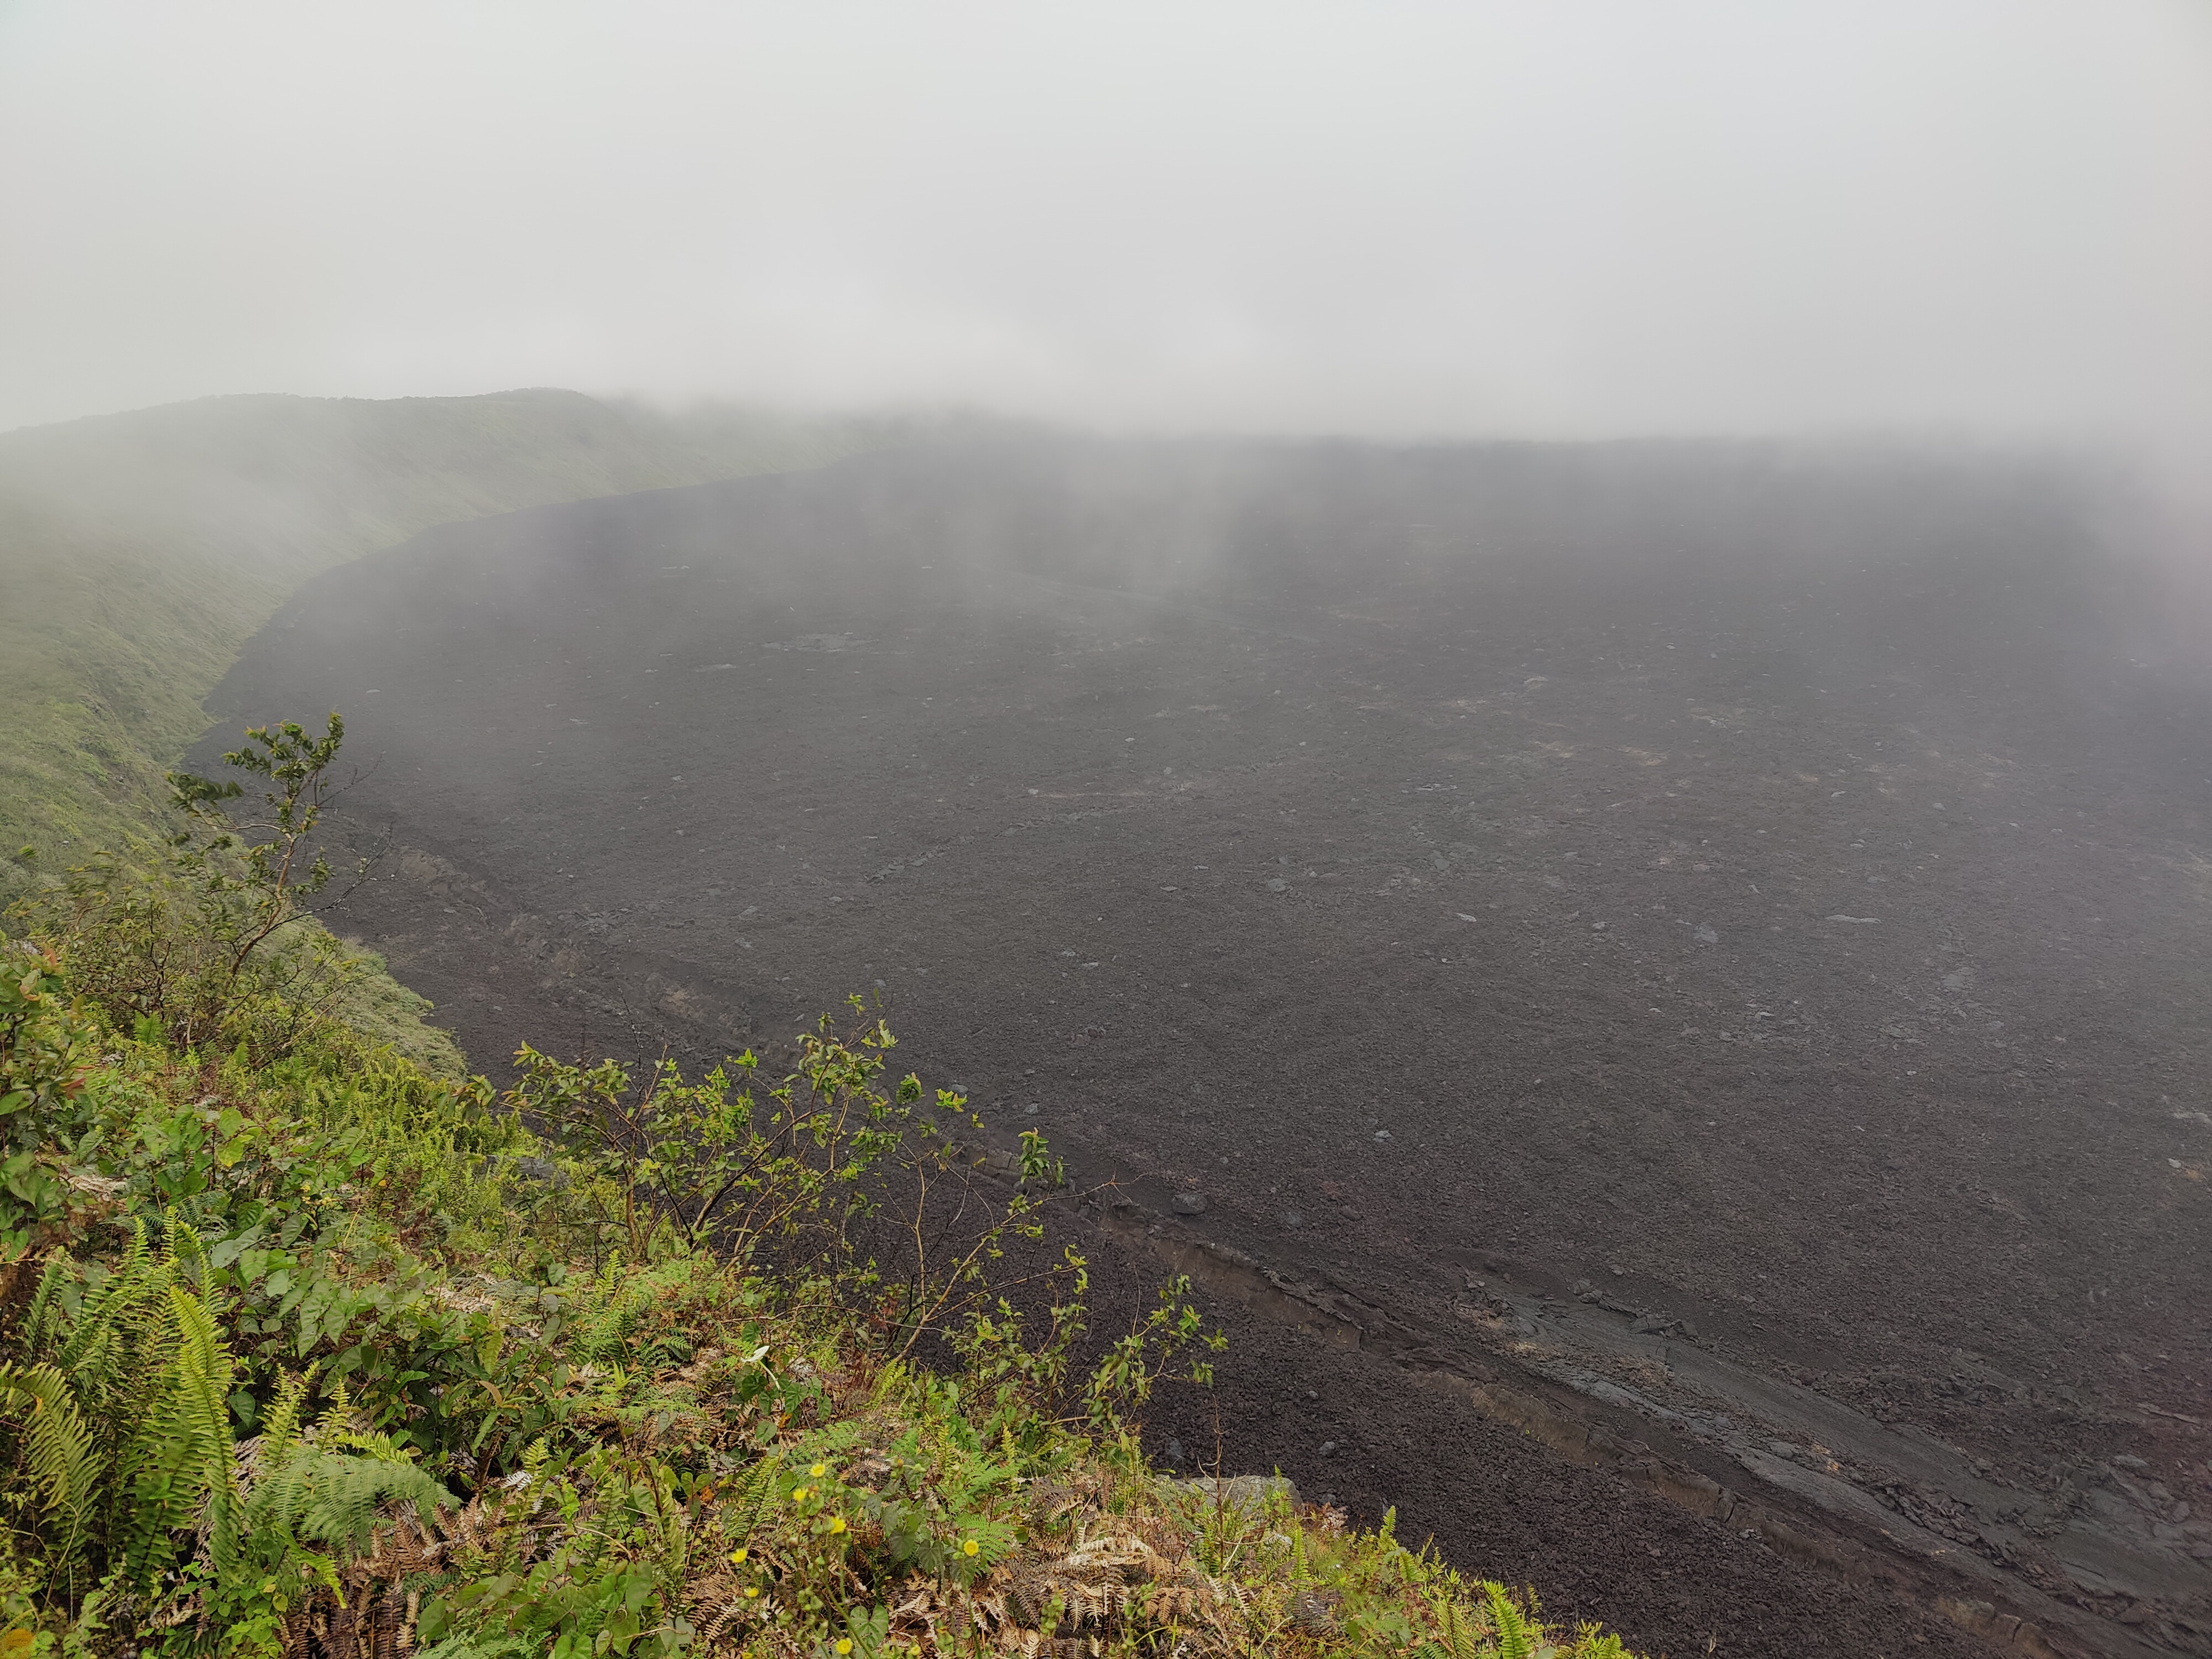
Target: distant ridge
<point x="138" y="550"/>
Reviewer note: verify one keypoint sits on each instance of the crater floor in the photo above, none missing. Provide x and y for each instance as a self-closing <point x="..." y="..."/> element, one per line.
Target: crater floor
<point x="1763" y="894"/>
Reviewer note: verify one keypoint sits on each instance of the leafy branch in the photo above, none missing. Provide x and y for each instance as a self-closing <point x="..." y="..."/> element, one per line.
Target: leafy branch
<point x="296" y="765"/>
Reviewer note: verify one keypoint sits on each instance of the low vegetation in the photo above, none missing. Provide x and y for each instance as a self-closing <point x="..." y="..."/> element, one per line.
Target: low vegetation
<point x="305" y="1349"/>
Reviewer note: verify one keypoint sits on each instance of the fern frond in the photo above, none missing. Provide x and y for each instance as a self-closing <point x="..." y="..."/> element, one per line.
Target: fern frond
<point x="339" y="1412"/>
<point x="117" y="1343"/>
<point x="377" y="1447"/>
<point x="341" y="1428"/>
<point x="324" y="1498"/>
<point x="348" y="1492"/>
<point x="1516" y="1636"/>
<point x="184" y="1252"/>
<point x="59" y="1445"/>
<point x="280" y="1430"/>
<point x="756" y="1494"/>
<point x="178" y="1470"/>
<point x="480" y="1645"/>
<point x="1462" y="1632"/>
<point x="205" y="1372"/>
<point x="44" y="1312"/>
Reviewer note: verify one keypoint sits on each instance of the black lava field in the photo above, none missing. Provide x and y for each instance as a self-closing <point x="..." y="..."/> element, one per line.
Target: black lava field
<point x="1712" y="939"/>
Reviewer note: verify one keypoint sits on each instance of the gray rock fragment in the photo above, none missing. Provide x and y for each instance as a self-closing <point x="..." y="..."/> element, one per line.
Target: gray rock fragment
<point x="1243" y="1492"/>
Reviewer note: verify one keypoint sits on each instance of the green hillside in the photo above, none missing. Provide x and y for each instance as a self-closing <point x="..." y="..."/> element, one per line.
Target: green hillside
<point x="139" y="551"/>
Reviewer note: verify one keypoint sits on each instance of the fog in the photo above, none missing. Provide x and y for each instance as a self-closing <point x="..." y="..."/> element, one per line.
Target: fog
<point x="1700" y="928"/>
<point x="1575" y="220"/>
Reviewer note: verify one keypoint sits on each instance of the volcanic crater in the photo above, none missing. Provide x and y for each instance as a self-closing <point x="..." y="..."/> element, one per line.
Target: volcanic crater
<point x="1678" y="970"/>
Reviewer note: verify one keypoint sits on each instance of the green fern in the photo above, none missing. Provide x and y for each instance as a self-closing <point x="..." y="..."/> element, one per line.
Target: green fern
<point x="481" y="1645"/>
<point x="59" y="1445"/>
<point x="103" y="1347"/>
<point x="337" y="1428"/>
<point x="302" y="1489"/>
<point x="178" y="1470"/>
<point x="92" y="1414"/>
<point x="42" y="1318"/>
<point x="280" y="1424"/>
<point x="324" y="1498"/>
<point x="128" y="1437"/>
<point x="755" y="1494"/>
<point x="1517" y="1636"/>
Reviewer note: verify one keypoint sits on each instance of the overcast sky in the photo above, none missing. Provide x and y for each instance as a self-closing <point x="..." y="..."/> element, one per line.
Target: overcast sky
<point x="1554" y="216"/>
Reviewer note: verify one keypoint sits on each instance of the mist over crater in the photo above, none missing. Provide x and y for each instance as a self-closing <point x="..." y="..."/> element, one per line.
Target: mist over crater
<point x="1757" y="887"/>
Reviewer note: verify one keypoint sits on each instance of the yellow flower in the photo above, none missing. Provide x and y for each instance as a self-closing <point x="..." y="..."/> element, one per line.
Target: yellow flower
<point x="739" y="1554"/>
<point x="819" y="1470"/>
<point x="970" y="1547"/>
<point x="799" y="1494"/>
<point x="752" y="1590"/>
<point x="844" y="1644"/>
<point x="838" y="1525"/>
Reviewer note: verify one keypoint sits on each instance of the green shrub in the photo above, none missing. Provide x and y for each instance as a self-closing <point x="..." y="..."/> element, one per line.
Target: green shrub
<point x="208" y="938"/>
<point x="48" y="1183"/>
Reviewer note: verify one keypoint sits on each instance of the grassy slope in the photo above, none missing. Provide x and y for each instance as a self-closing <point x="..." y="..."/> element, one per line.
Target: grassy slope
<point x="603" y="1439"/>
<point x="139" y="551"/>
